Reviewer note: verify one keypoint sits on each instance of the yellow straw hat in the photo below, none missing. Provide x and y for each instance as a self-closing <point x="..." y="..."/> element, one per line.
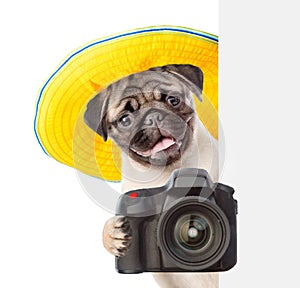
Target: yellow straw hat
<point x="59" y="125"/>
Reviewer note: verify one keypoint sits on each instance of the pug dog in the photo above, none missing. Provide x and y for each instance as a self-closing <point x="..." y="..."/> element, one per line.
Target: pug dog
<point x="150" y="115"/>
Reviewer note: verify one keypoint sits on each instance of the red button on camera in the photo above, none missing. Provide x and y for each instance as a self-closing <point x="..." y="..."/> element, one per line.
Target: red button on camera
<point x="133" y="195"/>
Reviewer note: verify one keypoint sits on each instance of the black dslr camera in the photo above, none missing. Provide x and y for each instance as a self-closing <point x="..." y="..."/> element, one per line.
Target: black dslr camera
<point x="187" y="225"/>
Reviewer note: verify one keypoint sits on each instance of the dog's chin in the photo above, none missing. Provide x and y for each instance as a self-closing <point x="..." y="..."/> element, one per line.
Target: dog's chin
<point x="165" y="152"/>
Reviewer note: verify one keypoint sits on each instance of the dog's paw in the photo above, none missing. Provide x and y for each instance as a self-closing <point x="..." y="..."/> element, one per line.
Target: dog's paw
<point x="117" y="236"/>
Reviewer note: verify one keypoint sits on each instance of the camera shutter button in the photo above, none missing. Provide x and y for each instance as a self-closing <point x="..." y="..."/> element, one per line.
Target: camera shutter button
<point x="133" y="195"/>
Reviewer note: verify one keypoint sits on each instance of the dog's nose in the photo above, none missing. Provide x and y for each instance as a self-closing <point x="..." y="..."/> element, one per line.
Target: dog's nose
<point x="153" y="118"/>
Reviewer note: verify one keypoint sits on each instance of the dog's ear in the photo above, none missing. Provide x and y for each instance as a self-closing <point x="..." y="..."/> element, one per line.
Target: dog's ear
<point x="94" y="115"/>
<point x="191" y="75"/>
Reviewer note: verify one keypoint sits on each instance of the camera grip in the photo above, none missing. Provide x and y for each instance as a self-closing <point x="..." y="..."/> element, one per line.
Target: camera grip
<point x="131" y="263"/>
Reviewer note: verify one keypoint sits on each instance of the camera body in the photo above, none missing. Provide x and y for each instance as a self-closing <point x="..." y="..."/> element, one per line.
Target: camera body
<point x="187" y="225"/>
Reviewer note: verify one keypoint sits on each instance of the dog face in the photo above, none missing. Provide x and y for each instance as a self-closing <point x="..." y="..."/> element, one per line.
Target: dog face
<point x="149" y="114"/>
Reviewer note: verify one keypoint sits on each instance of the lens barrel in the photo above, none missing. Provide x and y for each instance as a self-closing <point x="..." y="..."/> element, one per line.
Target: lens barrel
<point x="194" y="233"/>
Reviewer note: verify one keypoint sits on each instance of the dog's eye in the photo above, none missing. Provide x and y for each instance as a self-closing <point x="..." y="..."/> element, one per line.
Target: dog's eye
<point x="173" y="100"/>
<point x="125" y="120"/>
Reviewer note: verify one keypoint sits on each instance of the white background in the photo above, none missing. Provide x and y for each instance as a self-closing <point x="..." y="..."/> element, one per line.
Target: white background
<point x="50" y="231"/>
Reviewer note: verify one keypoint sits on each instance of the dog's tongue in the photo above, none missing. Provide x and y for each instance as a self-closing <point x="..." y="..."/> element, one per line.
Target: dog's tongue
<point x="159" y="146"/>
<point x="162" y="145"/>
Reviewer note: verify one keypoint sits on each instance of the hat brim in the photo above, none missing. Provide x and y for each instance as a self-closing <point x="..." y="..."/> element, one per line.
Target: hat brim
<point x="62" y="100"/>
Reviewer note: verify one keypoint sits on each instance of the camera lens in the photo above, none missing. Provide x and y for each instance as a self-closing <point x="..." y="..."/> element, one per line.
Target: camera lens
<point x="192" y="231"/>
<point x="193" y="234"/>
